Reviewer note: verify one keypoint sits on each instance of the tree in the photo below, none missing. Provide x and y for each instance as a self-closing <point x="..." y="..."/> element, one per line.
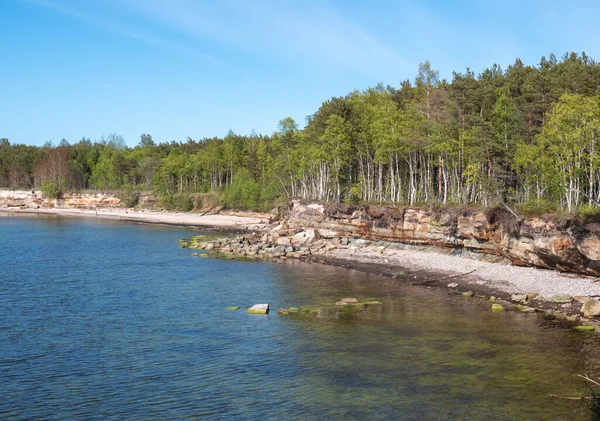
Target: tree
<point x="570" y="140"/>
<point x="146" y="141"/>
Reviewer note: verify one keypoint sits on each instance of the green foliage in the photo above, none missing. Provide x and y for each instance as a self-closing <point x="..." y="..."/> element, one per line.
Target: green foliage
<point x="51" y="189"/>
<point x="179" y="202"/>
<point x="129" y="197"/>
<point x="246" y="193"/>
<point x="536" y="207"/>
<point x="526" y="135"/>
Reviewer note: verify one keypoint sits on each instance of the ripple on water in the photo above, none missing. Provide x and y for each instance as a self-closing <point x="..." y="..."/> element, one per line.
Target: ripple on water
<point x="103" y="320"/>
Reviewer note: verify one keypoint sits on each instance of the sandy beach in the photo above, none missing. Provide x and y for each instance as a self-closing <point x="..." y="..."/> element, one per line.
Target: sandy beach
<point x="473" y="271"/>
<point x="232" y="222"/>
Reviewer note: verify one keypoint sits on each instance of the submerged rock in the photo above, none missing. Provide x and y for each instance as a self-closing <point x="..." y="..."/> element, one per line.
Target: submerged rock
<point x="562" y="298"/>
<point x="585" y="328"/>
<point x="259" y="309"/>
<point x="232" y="308"/>
<point x="372" y="302"/>
<point x="497" y="307"/>
<point x="349" y="300"/>
<point x="468" y="294"/>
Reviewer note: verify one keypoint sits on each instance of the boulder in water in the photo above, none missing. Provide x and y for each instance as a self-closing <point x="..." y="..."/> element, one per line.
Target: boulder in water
<point x="259" y="309"/>
<point x="349" y="300"/>
<point x="585" y="328"/>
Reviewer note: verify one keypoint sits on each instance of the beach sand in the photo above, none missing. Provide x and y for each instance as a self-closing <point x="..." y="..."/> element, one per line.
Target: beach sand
<point x="232" y="222"/>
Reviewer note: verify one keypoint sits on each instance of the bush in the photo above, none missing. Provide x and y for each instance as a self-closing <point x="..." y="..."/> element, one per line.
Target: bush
<point x="537" y="207"/>
<point x="129" y="197"/>
<point x="180" y="202"/>
<point x="51" y="189"/>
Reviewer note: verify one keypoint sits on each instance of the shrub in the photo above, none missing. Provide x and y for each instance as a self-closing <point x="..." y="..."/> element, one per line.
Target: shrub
<point x="51" y="189"/>
<point x="129" y="197"/>
<point x="181" y="202"/>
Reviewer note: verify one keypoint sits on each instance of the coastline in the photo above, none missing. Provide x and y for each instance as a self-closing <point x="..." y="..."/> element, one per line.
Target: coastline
<point x="505" y="286"/>
<point x="218" y="222"/>
<point x="520" y="288"/>
<point x="468" y="275"/>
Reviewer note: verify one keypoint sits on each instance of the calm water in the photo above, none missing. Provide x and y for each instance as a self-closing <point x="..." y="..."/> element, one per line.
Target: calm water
<point x="102" y="320"/>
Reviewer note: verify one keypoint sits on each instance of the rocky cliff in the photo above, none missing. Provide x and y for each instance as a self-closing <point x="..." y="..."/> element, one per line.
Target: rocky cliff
<point x="569" y="245"/>
<point x="31" y="199"/>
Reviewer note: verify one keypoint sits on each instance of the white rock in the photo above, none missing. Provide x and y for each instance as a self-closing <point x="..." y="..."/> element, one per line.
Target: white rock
<point x="283" y="241"/>
<point x="305" y="237"/>
<point x="259" y="309"/>
<point x="591" y="308"/>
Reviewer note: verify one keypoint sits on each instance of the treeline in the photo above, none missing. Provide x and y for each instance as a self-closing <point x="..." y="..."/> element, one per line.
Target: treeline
<point x="526" y="135"/>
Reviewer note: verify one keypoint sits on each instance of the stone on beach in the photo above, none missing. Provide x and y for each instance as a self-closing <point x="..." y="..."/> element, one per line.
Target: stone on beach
<point x="519" y="297"/>
<point x="591" y="308"/>
<point x="259" y="309"/>
<point x="283" y="241"/>
<point x="305" y="237"/>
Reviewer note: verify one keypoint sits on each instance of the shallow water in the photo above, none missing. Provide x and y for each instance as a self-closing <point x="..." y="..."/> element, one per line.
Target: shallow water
<point x="105" y="320"/>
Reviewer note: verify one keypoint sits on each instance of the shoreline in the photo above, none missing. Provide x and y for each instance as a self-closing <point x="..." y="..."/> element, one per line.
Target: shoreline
<point x="212" y="221"/>
<point x="468" y="275"/>
<point x="494" y="282"/>
<point x="505" y="287"/>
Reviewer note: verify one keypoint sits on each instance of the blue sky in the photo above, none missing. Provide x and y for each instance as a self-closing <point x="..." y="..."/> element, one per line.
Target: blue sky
<point x="197" y="68"/>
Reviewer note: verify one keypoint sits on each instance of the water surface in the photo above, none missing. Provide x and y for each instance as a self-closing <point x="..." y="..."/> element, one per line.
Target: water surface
<point x="105" y="320"/>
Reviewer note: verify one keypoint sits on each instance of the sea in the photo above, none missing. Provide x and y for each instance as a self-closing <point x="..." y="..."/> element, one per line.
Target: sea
<point x="106" y="320"/>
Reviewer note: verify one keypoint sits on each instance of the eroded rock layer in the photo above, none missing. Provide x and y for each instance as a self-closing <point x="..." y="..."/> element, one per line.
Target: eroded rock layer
<point x="570" y="245"/>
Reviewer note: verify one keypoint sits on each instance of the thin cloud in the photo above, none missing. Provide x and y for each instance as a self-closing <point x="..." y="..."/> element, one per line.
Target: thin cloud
<point x="310" y="32"/>
<point x="127" y="31"/>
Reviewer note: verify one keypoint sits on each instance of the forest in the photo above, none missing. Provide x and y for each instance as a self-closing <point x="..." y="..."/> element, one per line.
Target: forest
<point x="527" y="135"/>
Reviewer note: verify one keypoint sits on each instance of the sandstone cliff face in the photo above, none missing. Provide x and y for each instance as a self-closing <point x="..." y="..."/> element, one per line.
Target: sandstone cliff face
<point x="570" y="246"/>
<point x="33" y="199"/>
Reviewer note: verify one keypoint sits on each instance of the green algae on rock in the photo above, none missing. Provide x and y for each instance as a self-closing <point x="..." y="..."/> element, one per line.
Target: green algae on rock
<point x="585" y="328"/>
<point x="562" y="298"/>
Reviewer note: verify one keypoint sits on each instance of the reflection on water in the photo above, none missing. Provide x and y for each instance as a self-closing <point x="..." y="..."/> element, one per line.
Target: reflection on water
<point x="113" y="321"/>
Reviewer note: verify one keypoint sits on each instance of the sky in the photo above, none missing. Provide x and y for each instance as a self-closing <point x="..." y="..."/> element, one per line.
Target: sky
<point x="199" y="68"/>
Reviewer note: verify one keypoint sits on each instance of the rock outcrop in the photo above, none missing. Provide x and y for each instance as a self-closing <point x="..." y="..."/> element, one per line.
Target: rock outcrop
<point x="570" y="245"/>
<point x="33" y="199"/>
